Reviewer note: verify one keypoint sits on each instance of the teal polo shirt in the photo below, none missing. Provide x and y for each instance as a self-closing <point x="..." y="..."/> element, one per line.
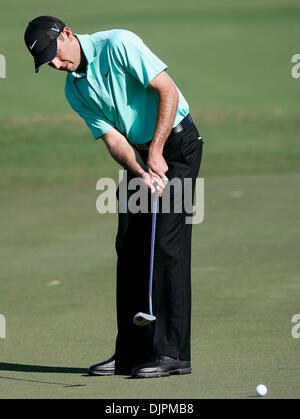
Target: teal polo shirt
<point x="113" y="92"/>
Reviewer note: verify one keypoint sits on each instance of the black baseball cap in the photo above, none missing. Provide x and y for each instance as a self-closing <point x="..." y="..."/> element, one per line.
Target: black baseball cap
<point x="41" y="39"/>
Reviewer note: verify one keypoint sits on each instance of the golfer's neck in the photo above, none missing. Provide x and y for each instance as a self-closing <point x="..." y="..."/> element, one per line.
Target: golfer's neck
<point x="82" y="68"/>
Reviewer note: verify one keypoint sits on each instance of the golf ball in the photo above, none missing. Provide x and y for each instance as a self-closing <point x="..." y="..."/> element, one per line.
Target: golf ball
<point x="261" y="390"/>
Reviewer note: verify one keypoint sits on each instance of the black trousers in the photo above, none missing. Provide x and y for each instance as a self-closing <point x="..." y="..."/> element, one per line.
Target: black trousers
<point x="170" y="333"/>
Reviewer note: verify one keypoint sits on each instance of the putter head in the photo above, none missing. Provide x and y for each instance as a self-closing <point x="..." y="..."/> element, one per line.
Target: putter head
<point x="142" y="319"/>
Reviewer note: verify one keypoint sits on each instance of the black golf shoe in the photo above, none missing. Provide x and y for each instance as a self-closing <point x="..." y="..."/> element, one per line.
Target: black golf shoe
<point x="161" y="366"/>
<point x="108" y="368"/>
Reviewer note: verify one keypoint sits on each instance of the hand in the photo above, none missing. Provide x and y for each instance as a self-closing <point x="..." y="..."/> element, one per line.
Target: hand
<point x="150" y="180"/>
<point x="157" y="167"/>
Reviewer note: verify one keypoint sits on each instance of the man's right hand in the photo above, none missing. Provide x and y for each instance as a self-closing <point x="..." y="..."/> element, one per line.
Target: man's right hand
<point x="150" y="180"/>
<point x="123" y="153"/>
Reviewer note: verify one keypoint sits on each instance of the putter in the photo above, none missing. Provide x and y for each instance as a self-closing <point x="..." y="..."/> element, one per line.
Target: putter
<point x="142" y="319"/>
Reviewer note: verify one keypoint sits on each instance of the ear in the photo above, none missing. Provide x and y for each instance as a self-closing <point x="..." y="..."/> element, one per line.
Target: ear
<point x="67" y="33"/>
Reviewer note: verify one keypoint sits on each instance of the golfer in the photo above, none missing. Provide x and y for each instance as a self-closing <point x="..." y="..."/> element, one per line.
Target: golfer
<point x="124" y="94"/>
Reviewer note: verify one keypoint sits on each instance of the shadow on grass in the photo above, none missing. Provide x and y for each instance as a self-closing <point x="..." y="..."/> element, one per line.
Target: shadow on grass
<point x="41" y="368"/>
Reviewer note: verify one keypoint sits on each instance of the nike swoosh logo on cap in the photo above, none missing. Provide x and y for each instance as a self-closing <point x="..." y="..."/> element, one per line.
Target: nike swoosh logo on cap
<point x="55" y="29"/>
<point x="31" y="46"/>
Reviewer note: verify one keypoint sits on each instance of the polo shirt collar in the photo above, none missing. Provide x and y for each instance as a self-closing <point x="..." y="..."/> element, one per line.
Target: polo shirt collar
<point x="89" y="51"/>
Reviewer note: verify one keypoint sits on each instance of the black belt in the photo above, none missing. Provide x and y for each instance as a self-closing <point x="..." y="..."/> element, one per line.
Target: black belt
<point x="187" y="121"/>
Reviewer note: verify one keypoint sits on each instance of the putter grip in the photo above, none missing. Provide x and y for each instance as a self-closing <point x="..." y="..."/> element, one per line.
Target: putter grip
<point x="155" y="185"/>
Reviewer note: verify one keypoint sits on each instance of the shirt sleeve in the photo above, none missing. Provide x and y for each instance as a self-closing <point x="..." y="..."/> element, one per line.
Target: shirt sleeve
<point x="97" y="123"/>
<point x="130" y="52"/>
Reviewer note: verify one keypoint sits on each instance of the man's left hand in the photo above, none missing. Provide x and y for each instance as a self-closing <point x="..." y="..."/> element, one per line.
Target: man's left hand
<point x="157" y="166"/>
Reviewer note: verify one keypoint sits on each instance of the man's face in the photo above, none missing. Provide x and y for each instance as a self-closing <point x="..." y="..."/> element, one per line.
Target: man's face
<point x="68" y="54"/>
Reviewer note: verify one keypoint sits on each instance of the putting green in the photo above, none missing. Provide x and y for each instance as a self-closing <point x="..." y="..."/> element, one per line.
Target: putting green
<point x="59" y="284"/>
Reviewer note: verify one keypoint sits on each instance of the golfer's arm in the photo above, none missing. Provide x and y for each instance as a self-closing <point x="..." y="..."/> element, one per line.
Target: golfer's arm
<point x="168" y="103"/>
<point x="122" y="151"/>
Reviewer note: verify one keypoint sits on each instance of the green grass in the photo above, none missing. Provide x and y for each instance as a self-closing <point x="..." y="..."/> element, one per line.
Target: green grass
<point x="57" y="277"/>
<point x="221" y="54"/>
<point x="61" y="150"/>
<point x="245" y="291"/>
